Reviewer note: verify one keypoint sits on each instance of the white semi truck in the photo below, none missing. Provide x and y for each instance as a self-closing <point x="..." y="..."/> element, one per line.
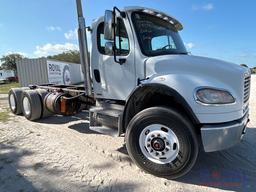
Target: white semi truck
<point x="141" y="83"/>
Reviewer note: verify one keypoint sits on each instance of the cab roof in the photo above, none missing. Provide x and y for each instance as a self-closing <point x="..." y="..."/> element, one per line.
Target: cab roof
<point x="157" y="13"/>
<point x="178" y="26"/>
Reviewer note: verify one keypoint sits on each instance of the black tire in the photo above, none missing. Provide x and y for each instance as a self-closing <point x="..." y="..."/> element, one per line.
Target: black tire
<point x="16" y="95"/>
<point x="180" y="126"/>
<point x="45" y="111"/>
<point x="34" y="108"/>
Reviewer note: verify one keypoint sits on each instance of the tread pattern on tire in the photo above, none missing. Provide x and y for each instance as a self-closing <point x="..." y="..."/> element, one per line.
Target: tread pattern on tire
<point x="35" y="104"/>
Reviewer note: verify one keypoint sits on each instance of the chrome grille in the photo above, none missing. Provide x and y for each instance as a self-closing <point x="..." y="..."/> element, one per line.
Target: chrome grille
<point x="247" y="84"/>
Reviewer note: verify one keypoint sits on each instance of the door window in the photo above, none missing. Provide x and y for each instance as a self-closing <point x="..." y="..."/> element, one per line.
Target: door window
<point x="122" y="40"/>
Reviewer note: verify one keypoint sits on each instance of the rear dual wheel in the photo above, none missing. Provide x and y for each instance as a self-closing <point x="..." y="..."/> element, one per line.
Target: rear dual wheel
<point x="33" y="104"/>
<point x="14" y="97"/>
<point x="28" y="102"/>
<point x="162" y="142"/>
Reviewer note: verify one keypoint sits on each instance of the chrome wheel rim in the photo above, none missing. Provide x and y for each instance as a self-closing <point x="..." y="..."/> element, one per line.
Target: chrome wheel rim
<point x="12" y="102"/>
<point x="159" y="144"/>
<point x="26" y="106"/>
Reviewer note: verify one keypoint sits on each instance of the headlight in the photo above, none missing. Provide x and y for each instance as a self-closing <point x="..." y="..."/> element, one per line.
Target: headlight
<point x="214" y="96"/>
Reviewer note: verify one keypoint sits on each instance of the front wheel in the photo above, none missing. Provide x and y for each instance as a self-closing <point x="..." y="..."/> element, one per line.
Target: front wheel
<point x="162" y="142"/>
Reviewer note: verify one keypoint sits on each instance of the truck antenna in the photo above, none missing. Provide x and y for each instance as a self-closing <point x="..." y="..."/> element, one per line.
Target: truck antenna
<point x="83" y="47"/>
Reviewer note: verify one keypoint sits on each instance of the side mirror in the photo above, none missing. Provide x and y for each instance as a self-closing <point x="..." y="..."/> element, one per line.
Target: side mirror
<point x="109" y="48"/>
<point x="108" y="25"/>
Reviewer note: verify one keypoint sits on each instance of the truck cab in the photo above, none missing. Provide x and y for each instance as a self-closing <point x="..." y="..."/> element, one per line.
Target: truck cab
<point x="143" y="74"/>
<point x="139" y="36"/>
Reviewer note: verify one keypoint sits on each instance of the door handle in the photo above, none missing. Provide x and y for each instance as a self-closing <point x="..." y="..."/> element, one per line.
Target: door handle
<point x="97" y="75"/>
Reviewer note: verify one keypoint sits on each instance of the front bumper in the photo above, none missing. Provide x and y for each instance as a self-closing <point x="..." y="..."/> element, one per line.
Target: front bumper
<point x="216" y="137"/>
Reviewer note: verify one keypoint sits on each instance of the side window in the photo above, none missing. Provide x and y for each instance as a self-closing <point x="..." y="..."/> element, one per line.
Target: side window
<point x="100" y="39"/>
<point x="162" y="42"/>
<point x="122" y="41"/>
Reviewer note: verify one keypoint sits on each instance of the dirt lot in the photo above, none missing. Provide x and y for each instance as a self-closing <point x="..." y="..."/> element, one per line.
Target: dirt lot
<point x="62" y="154"/>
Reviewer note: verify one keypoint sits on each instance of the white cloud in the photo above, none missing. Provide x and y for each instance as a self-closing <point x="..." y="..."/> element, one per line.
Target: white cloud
<point x="71" y="35"/>
<point x="52" y="49"/>
<point x="190" y="45"/>
<point x="208" y="7"/>
<point x="53" y="28"/>
<point x="205" y="7"/>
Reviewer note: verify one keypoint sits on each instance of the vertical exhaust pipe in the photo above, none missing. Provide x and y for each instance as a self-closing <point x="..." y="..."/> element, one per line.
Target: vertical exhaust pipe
<point x="83" y="47"/>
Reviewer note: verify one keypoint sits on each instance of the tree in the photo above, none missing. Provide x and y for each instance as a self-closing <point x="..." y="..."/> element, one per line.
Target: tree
<point x="69" y="56"/>
<point x="9" y="62"/>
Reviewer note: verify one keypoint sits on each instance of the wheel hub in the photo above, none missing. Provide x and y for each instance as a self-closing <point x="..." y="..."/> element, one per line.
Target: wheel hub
<point x="159" y="144"/>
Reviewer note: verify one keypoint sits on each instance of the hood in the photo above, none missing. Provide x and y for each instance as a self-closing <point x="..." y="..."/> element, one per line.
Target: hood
<point x="201" y="67"/>
<point x="191" y="65"/>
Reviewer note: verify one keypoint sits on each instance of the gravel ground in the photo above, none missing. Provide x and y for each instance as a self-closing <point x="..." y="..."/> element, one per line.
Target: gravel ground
<point x="62" y="154"/>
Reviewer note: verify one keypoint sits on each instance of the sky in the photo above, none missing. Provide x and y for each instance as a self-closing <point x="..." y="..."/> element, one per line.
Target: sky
<point x="223" y="29"/>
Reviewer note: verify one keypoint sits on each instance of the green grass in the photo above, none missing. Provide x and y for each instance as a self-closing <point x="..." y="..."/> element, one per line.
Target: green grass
<point x="4" y="116"/>
<point x="4" y="88"/>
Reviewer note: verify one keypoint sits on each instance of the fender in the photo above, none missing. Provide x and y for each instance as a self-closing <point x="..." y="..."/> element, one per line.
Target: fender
<point x="136" y="102"/>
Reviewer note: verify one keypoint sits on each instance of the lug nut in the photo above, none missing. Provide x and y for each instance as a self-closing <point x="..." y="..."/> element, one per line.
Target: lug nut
<point x="166" y="149"/>
<point x="164" y="138"/>
<point x="167" y="143"/>
<point x="163" y="153"/>
<point x="152" y="135"/>
<point x="157" y="154"/>
<point x="149" y="140"/>
<point x="148" y="145"/>
<point x="158" y="135"/>
<point x="151" y="151"/>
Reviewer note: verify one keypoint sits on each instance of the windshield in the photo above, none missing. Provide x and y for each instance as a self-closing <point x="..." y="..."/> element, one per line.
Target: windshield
<point x="156" y="36"/>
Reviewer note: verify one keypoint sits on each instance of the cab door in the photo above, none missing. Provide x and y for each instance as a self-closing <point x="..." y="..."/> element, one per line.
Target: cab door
<point x="113" y="80"/>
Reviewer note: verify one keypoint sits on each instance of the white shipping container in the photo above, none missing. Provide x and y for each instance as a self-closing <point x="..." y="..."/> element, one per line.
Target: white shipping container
<point x="44" y="71"/>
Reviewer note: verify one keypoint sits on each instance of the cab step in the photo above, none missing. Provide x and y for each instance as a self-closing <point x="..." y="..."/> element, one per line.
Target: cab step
<point x="106" y="120"/>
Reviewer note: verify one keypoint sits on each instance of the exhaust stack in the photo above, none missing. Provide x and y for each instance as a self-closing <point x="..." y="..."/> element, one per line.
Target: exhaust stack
<point x="83" y="46"/>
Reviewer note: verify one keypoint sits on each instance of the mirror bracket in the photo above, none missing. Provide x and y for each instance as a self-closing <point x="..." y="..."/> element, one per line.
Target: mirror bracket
<point x="110" y="16"/>
<point x="122" y="13"/>
<point x="121" y="61"/>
